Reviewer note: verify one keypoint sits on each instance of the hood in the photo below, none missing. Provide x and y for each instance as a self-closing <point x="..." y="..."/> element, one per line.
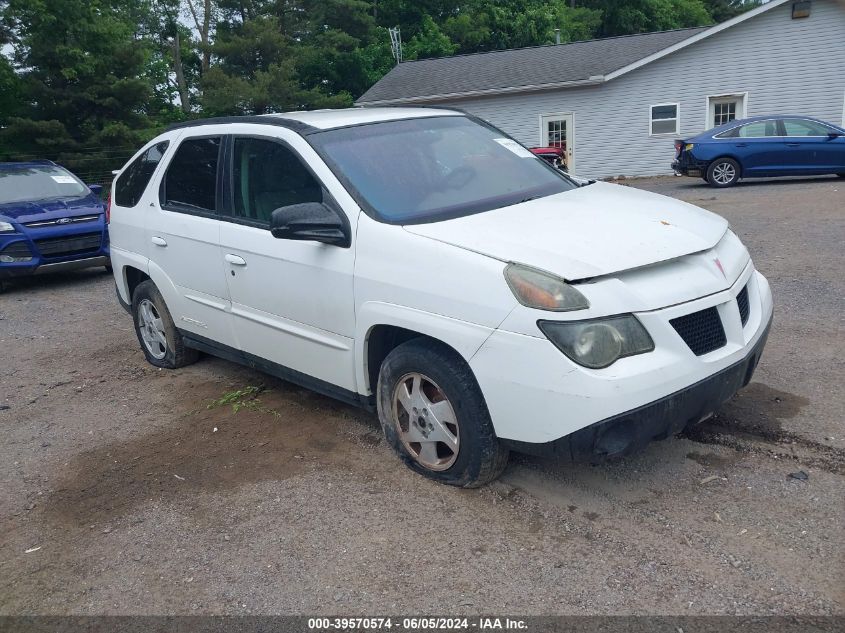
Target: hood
<point x="587" y="232"/>
<point x="40" y="210"/>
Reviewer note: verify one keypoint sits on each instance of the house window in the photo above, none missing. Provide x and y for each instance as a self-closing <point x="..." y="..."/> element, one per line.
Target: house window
<point x="724" y="112"/>
<point x="665" y="119"/>
<point x="723" y="109"/>
<point x="556" y="131"/>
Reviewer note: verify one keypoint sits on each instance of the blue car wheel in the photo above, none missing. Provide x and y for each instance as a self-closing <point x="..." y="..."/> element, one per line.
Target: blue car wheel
<point x="723" y="172"/>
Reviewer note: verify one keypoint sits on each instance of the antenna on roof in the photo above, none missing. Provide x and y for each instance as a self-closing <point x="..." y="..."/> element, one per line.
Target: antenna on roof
<point x="396" y="43"/>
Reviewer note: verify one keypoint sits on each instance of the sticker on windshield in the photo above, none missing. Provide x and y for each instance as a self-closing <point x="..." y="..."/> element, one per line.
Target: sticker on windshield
<point x="64" y="180"/>
<point x="515" y="147"/>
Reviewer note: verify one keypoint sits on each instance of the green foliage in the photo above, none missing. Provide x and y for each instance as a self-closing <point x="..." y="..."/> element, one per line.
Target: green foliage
<point x="430" y="41"/>
<point x="245" y="398"/>
<point x="722" y="10"/>
<point x="640" y="16"/>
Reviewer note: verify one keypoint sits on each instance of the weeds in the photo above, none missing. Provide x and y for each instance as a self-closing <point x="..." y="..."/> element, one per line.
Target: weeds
<point x="246" y="398"/>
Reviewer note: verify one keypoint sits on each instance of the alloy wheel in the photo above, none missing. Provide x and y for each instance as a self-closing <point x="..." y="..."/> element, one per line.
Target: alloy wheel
<point x="724" y="173"/>
<point x="426" y="421"/>
<point x="152" y="329"/>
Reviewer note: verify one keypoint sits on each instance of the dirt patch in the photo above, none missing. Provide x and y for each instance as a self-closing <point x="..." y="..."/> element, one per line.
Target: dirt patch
<point x="753" y="422"/>
<point x="199" y="450"/>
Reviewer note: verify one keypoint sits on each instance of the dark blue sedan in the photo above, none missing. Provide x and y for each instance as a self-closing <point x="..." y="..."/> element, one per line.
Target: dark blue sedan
<point x="761" y="147"/>
<point x="49" y="221"/>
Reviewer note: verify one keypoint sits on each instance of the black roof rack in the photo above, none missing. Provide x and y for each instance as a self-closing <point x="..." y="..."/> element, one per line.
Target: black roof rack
<point x="291" y="124"/>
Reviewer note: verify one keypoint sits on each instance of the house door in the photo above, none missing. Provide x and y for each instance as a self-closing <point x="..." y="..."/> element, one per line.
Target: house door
<point x="556" y="130"/>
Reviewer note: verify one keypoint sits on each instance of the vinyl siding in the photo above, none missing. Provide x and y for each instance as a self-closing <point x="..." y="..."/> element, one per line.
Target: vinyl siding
<point x="786" y="66"/>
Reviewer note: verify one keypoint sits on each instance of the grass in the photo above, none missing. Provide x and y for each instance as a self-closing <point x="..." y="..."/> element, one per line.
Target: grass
<point x="244" y="398"/>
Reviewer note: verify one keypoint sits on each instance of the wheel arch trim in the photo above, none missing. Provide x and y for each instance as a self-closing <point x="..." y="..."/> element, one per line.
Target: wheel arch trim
<point x="463" y="337"/>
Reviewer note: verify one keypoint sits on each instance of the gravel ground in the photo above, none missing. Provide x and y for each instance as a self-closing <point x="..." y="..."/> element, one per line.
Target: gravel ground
<point x="142" y="500"/>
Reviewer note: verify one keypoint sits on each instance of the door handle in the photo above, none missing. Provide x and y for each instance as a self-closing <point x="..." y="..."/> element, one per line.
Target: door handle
<point x="742" y="144"/>
<point x="793" y="144"/>
<point x="158" y="241"/>
<point x="235" y="260"/>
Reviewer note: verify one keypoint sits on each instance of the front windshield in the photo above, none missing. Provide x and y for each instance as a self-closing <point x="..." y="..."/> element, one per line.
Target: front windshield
<point x="434" y="168"/>
<point x="21" y="183"/>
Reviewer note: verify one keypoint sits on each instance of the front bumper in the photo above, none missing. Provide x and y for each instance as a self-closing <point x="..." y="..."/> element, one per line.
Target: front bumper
<point x="658" y="420"/>
<point x="537" y="397"/>
<point x="91" y="253"/>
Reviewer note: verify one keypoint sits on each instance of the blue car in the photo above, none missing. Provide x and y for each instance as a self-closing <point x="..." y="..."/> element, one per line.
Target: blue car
<point x="49" y="221"/>
<point x="760" y="147"/>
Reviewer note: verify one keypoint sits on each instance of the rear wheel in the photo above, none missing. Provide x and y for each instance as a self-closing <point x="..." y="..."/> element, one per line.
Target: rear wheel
<point x="434" y="415"/>
<point x="160" y="341"/>
<point x="723" y="172"/>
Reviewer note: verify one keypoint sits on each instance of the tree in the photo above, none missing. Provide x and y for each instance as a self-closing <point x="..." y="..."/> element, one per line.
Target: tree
<point x="722" y="10"/>
<point x="642" y="16"/>
<point x="203" y="13"/>
<point x="256" y="70"/>
<point x="80" y="76"/>
<point x="430" y="41"/>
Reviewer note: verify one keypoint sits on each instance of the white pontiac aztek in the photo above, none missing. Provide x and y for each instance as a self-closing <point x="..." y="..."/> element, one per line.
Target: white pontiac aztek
<point x="421" y="263"/>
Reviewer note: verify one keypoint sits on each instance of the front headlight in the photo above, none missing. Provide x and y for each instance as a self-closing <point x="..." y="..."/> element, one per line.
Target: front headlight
<point x="6" y="227"/>
<point x="598" y="343"/>
<point x="541" y="290"/>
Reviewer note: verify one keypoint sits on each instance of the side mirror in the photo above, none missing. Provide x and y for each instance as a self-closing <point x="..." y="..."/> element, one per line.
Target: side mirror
<point x="97" y="190"/>
<point x="832" y="135"/>
<point x="310" y="221"/>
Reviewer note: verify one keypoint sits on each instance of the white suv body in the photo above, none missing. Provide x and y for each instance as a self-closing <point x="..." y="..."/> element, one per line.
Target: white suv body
<point x="552" y="316"/>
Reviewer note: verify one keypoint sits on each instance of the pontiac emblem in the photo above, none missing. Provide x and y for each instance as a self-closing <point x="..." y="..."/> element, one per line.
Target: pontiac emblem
<point x="719" y="266"/>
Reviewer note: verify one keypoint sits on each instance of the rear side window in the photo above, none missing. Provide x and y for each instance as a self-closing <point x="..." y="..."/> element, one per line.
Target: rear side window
<point x="268" y="175"/>
<point x="190" y="184"/>
<point x="130" y="185"/>
<point x="759" y="129"/>
<point x="803" y="127"/>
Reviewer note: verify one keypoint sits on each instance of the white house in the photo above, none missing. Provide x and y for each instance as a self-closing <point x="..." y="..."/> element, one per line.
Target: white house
<point x="618" y="103"/>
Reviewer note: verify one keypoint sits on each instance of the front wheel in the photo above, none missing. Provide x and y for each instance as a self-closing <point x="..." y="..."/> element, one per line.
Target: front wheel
<point x="434" y="416"/>
<point x="160" y="341"/>
<point x="723" y="172"/>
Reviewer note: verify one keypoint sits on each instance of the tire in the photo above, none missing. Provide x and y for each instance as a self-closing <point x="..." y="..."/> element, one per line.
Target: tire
<point x="474" y="456"/>
<point x="723" y="172"/>
<point x="160" y="341"/>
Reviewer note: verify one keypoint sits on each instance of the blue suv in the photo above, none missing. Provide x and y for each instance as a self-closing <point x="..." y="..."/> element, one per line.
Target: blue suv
<point x="49" y="221"/>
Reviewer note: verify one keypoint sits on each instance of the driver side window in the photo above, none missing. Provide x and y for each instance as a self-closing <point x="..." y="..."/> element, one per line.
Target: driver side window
<point x="268" y="175"/>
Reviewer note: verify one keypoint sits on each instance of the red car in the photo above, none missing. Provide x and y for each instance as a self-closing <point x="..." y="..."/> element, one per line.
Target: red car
<point x="555" y="156"/>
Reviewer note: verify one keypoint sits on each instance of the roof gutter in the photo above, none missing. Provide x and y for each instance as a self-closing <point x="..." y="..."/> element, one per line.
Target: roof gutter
<point x="592" y="81"/>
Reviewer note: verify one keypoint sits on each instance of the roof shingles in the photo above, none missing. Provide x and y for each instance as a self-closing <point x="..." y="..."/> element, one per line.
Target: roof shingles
<point x="521" y="68"/>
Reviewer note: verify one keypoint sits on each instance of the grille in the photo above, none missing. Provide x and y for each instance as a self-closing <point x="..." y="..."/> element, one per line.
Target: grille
<point x="702" y="331"/>
<point x="17" y="249"/>
<point x="61" y="246"/>
<point x="45" y="223"/>
<point x="742" y="303"/>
